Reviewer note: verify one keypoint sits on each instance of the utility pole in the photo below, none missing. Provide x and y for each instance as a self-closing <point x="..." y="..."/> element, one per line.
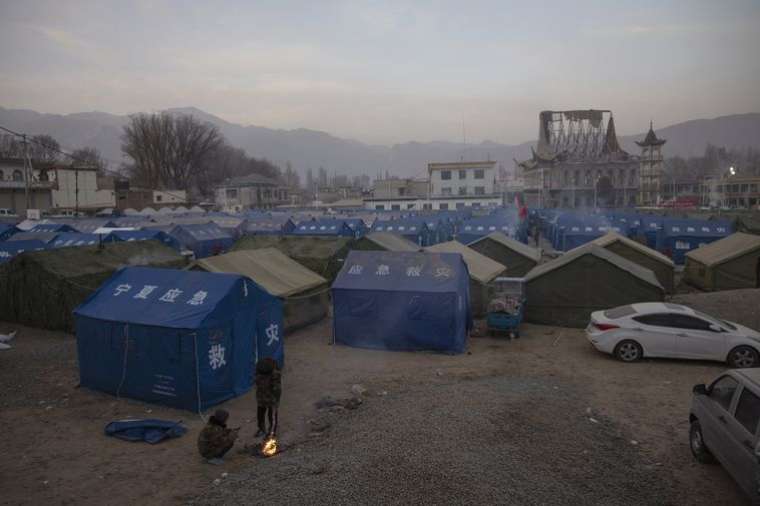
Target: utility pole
<point x="27" y="172"/>
<point x="76" y="191"/>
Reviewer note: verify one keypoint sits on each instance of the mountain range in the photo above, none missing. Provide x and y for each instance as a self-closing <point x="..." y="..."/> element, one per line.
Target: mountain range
<point x="311" y="148"/>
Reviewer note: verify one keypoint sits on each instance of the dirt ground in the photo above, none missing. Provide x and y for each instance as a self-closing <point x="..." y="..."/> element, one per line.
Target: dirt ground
<point x="544" y="419"/>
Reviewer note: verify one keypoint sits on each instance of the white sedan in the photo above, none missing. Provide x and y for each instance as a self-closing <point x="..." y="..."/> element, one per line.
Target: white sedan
<point x="662" y="329"/>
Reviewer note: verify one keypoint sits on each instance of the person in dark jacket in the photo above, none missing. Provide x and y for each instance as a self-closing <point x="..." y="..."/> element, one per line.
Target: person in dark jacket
<point x="215" y="440"/>
<point x="268" y="392"/>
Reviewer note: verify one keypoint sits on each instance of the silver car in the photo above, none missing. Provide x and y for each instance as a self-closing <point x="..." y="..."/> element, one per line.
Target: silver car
<point x="662" y="329"/>
<point x="724" y="426"/>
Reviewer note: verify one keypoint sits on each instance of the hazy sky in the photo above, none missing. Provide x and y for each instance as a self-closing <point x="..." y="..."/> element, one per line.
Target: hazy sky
<point x="385" y="72"/>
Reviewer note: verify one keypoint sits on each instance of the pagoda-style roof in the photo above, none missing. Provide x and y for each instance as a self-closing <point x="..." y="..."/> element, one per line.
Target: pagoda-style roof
<point x="651" y="139"/>
<point x="576" y="136"/>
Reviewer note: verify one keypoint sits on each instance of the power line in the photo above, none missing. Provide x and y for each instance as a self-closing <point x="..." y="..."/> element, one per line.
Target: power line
<point x="26" y="138"/>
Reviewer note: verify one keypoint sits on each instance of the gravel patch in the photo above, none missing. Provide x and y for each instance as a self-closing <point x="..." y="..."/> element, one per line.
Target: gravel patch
<point x="740" y="306"/>
<point x="496" y="440"/>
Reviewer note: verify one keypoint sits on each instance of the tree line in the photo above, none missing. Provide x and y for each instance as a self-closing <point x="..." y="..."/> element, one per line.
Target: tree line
<point x="715" y="162"/>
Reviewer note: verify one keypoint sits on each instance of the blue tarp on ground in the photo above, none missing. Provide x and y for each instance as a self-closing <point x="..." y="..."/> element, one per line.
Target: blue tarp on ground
<point x="10" y="249"/>
<point x="402" y="301"/>
<point x="203" y="240"/>
<point x="325" y="226"/>
<point x="143" y="235"/>
<point x="184" y="339"/>
<point x="149" y="430"/>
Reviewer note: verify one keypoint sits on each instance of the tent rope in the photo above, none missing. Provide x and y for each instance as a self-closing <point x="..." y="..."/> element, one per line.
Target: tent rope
<point x="124" y="363"/>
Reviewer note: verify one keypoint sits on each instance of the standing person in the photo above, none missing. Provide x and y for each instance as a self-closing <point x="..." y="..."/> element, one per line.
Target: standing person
<point x="268" y="392"/>
<point x="537" y="234"/>
<point x="215" y="440"/>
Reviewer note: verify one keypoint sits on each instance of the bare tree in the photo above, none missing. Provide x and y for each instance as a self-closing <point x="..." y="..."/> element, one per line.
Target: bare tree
<point x="44" y="148"/>
<point x="89" y="156"/>
<point x="169" y="151"/>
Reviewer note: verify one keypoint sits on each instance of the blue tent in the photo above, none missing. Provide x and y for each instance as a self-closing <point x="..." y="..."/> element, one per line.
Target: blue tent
<point x="414" y="229"/>
<point x="6" y="231"/>
<point x="203" y="240"/>
<point x="68" y="239"/>
<point x="143" y="235"/>
<point x="324" y="226"/>
<point x="402" y="301"/>
<point x="52" y="227"/>
<point x="185" y="339"/>
<point x="268" y="226"/>
<point x="677" y="237"/>
<point x="10" y="249"/>
<point x="476" y="228"/>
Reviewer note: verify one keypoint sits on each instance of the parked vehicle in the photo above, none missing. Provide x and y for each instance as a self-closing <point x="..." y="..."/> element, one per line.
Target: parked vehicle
<point x="724" y="426"/>
<point x="7" y="213"/>
<point x="662" y="329"/>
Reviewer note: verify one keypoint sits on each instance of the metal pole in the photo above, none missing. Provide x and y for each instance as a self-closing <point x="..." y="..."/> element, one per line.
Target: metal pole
<point x="26" y="172"/>
<point x="76" y="192"/>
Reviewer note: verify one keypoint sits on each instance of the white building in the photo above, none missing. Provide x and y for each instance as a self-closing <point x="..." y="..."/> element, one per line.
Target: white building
<point x="250" y="192"/>
<point x="169" y="197"/>
<point x="77" y="188"/>
<point x="455" y="185"/>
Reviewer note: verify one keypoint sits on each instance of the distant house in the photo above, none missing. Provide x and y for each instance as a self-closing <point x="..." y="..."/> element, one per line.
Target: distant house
<point x="250" y="192"/>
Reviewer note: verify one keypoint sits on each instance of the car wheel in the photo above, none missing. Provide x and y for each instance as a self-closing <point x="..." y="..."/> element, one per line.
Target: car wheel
<point x="742" y="357"/>
<point x="628" y="351"/>
<point x="697" y="444"/>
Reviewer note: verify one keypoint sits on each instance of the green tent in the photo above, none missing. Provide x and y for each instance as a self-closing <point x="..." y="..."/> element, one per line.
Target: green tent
<point x="482" y="271"/>
<point x="727" y="264"/>
<point x="517" y="257"/>
<point x="566" y="290"/>
<point x="659" y="264"/>
<point x="303" y="292"/>
<point x="322" y="255"/>
<point x="384" y="241"/>
<point x="42" y="288"/>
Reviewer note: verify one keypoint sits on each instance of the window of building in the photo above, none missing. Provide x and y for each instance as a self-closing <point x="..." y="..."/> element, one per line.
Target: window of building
<point x="480" y="190"/>
<point x="2" y="176"/>
<point x="401" y="192"/>
<point x="395" y="207"/>
<point x="576" y="178"/>
<point x="410" y="206"/>
<point x="159" y="198"/>
<point x="427" y="207"/>
<point x="476" y="204"/>
<point x="587" y="178"/>
<point x="463" y="190"/>
<point x="443" y="207"/>
<point x="17" y="175"/>
<point x="462" y="174"/>
<point x="460" y="205"/>
<point x="480" y="173"/>
<point x="380" y="207"/>
<point x="446" y="175"/>
<point x="446" y="191"/>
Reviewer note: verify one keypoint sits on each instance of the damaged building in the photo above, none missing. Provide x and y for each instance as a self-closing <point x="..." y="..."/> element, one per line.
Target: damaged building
<point x="578" y="162"/>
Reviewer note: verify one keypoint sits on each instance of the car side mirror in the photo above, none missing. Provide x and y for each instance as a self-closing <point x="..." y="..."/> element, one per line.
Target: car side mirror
<point x="700" y="389"/>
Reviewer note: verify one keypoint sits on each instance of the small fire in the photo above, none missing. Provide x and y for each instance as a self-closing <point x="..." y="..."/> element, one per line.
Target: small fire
<point x="269" y="447"/>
